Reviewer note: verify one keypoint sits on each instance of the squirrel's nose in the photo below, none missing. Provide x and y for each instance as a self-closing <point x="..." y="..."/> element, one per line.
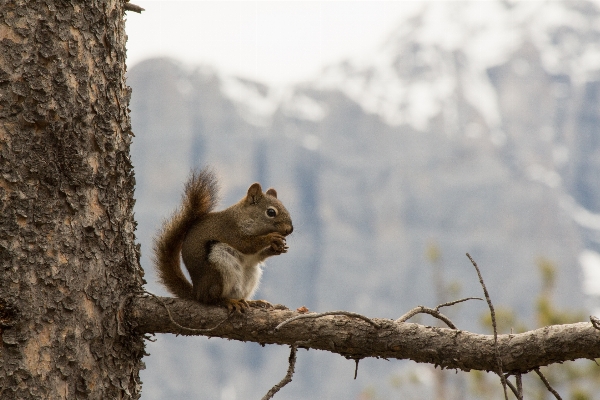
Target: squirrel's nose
<point x="289" y="230"/>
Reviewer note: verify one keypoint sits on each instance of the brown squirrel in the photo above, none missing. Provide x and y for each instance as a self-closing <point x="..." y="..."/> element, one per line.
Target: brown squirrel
<point x="222" y="250"/>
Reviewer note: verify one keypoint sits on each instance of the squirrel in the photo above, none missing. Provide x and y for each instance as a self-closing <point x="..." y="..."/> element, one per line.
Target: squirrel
<point x="222" y="250"/>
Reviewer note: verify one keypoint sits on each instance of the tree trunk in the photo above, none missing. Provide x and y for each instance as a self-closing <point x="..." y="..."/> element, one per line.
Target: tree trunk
<point x="68" y="257"/>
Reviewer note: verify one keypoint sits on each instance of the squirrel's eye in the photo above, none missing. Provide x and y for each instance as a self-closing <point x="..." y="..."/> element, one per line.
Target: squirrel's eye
<point x="271" y="212"/>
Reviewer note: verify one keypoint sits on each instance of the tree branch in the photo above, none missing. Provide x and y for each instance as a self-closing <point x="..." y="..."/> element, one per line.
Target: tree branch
<point x="426" y="310"/>
<point x="435" y="312"/>
<point x="547" y="384"/>
<point x="493" y="315"/>
<point x="355" y="339"/>
<point x="134" y="8"/>
<point x="319" y="315"/>
<point x="512" y="387"/>
<point x="288" y="376"/>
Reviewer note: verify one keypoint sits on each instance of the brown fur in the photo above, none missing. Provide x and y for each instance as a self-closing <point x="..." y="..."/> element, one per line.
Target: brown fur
<point x="247" y="233"/>
<point x="199" y="198"/>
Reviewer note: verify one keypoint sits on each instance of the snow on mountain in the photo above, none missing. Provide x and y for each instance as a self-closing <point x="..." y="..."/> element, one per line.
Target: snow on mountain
<point x="441" y="56"/>
<point x="439" y="53"/>
<point x="256" y="102"/>
<point x="415" y="74"/>
<point x="301" y="106"/>
<point x="567" y="35"/>
<point x="581" y="216"/>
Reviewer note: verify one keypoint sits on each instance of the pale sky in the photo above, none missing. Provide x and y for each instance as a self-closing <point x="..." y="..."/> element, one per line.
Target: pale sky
<point x="276" y="42"/>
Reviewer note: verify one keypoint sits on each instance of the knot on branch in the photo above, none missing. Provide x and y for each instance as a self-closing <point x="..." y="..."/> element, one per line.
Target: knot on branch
<point x="595" y="322"/>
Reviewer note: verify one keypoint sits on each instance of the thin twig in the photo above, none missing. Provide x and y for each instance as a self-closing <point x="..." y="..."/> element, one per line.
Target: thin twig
<point x="356" y="360"/>
<point x="519" y="387"/>
<point x="543" y="378"/>
<point x="435" y="312"/>
<point x="489" y="301"/>
<point x="426" y="310"/>
<point x="512" y="387"/>
<point x="287" y="378"/>
<point x="181" y="326"/>
<point x="451" y="303"/>
<point x="518" y="390"/>
<point x="134" y="8"/>
<point x="315" y="315"/>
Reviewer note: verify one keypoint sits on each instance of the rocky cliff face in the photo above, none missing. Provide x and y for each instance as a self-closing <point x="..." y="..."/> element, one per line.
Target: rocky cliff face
<point x="473" y="129"/>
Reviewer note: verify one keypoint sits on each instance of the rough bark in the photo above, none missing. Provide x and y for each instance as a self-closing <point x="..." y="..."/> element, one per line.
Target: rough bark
<point x="356" y="339"/>
<point x="67" y="252"/>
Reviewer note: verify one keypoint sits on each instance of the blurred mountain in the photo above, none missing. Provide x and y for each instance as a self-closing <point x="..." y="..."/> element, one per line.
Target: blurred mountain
<point x="475" y="127"/>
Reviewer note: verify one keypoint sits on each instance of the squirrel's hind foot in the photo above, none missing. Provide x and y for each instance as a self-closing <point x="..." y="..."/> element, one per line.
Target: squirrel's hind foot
<point x="236" y="305"/>
<point x="259" y="304"/>
<point x="241" y="305"/>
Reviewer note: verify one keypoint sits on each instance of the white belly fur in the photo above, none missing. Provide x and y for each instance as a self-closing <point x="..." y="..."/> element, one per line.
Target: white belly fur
<point x="241" y="272"/>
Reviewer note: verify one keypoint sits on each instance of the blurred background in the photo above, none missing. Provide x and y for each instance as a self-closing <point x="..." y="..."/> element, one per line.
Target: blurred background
<point x="400" y="135"/>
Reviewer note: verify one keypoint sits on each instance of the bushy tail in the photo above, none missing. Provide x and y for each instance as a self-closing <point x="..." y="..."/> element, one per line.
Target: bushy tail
<point x="199" y="198"/>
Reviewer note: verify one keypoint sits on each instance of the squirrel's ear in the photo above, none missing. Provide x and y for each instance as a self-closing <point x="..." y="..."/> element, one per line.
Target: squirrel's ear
<point x="272" y="192"/>
<point x="254" y="193"/>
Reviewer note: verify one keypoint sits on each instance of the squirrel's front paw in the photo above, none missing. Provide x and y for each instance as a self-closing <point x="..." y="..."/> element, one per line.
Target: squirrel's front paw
<point x="278" y="244"/>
